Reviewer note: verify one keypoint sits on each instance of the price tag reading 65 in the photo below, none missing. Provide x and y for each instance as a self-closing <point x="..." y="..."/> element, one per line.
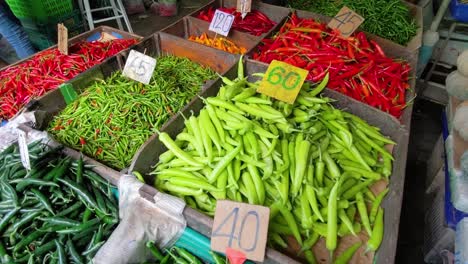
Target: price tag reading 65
<point x="283" y="81"/>
<point x="139" y="67"/>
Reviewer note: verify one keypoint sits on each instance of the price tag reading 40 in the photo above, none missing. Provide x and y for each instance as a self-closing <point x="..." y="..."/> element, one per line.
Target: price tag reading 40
<point x="346" y="21"/>
<point x="221" y="23"/>
<point x="242" y="227"/>
<point x="139" y="67"/>
<point x="283" y="81"/>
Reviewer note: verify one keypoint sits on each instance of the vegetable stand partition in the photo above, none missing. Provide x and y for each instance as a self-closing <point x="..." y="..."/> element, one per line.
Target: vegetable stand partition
<point x="277" y="46"/>
<point x="103" y="129"/>
<point x="262" y="20"/>
<point x="46" y="70"/>
<point x="389" y="126"/>
<point x="401" y="24"/>
<point x="189" y="27"/>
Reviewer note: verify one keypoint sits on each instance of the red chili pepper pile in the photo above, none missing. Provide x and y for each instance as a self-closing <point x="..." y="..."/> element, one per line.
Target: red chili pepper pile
<point x="358" y="67"/>
<point x="50" y="68"/>
<point x="255" y="23"/>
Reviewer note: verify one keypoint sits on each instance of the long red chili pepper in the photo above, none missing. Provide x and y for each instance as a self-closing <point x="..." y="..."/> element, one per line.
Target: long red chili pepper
<point x="357" y="67"/>
<point x="48" y="69"/>
<point x="255" y="23"/>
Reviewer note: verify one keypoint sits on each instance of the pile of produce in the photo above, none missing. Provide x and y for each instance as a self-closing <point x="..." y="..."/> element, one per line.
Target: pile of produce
<point x="48" y="69"/>
<point x="358" y="67"/>
<point x="179" y="255"/>
<point x="312" y="164"/>
<point x="58" y="211"/>
<point x="255" y="22"/>
<point x="220" y="43"/>
<point x="389" y="19"/>
<point x="114" y="117"/>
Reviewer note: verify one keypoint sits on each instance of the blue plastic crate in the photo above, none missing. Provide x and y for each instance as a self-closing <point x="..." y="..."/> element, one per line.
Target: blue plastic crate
<point x="452" y="215"/>
<point x="459" y="11"/>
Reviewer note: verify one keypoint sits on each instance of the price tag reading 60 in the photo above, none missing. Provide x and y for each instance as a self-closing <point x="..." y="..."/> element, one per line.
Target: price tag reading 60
<point x="283" y="81"/>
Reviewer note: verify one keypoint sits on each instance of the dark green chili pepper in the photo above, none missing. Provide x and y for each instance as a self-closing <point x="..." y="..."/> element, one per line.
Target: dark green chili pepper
<point x="43" y="200"/>
<point x="154" y="250"/>
<point x="75" y="257"/>
<point x="80" y="191"/>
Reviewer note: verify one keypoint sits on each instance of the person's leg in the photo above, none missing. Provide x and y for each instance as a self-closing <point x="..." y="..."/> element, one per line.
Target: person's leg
<point x="15" y="35"/>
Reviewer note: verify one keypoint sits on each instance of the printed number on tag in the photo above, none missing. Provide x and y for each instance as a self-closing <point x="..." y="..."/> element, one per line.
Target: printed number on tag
<point x="139" y="67"/>
<point x="346" y="21"/>
<point x="221" y="23"/>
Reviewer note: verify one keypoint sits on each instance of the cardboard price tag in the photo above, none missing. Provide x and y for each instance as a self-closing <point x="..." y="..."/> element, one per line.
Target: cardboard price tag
<point x="139" y="67"/>
<point x="62" y="39"/>
<point x="283" y="81"/>
<point x="346" y="21"/>
<point x="23" y="148"/>
<point x="244" y="7"/>
<point x="242" y="227"/>
<point x="221" y="23"/>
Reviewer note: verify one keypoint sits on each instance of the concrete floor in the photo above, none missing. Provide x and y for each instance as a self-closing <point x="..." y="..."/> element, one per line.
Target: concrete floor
<point x="148" y="23"/>
<point x="426" y="127"/>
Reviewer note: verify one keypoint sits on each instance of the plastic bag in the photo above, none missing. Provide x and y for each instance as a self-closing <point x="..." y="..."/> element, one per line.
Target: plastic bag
<point x="457" y="85"/>
<point x="141" y="220"/>
<point x="134" y="6"/>
<point x="167" y="7"/>
<point x="9" y="134"/>
<point x="460" y="120"/>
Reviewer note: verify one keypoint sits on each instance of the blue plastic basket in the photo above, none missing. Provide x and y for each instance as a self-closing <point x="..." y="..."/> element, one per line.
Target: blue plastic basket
<point x="459" y="11"/>
<point x="452" y="215"/>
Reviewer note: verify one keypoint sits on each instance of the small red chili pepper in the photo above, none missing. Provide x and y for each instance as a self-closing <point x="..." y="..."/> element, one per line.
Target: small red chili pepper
<point x="82" y="141"/>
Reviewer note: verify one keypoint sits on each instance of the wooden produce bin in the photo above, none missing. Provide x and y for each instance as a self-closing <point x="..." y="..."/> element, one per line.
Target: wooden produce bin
<point x="88" y="34"/>
<point x="190" y="26"/>
<point x="149" y="153"/>
<point x="391" y="49"/>
<point x="50" y="105"/>
<point x="275" y="13"/>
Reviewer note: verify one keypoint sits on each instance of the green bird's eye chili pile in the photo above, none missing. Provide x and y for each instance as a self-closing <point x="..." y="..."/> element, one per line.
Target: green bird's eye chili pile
<point x="310" y="163"/>
<point x="389" y="19"/>
<point x="114" y="117"/>
<point x="358" y="67"/>
<point x="46" y="70"/>
<point x="60" y="210"/>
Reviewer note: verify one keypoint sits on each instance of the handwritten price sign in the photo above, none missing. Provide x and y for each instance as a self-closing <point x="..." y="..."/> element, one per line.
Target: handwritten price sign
<point x="221" y="23"/>
<point x="242" y="227"/>
<point x="346" y="21"/>
<point x="139" y="67"/>
<point x="283" y="81"/>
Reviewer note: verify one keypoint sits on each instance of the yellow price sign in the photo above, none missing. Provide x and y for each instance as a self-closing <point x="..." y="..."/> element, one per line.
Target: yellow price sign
<point x="283" y="81"/>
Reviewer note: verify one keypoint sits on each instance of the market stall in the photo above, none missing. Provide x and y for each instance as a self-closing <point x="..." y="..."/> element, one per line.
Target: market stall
<point x="122" y="150"/>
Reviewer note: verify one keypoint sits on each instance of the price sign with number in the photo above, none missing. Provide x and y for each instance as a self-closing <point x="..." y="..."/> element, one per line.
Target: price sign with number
<point x="242" y="227"/>
<point x="221" y="23"/>
<point x="346" y="21"/>
<point x="23" y="147"/>
<point x="62" y="44"/>
<point x="139" y="67"/>
<point x="283" y="81"/>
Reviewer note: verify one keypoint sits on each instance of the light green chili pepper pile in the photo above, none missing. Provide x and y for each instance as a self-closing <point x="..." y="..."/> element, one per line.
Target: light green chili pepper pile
<point x="114" y="117"/>
<point x="307" y="161"/>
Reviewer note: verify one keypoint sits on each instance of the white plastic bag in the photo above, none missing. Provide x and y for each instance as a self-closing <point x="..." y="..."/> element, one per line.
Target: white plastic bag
<point x="460" y="120"/>
<point x="141" y="220"/>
